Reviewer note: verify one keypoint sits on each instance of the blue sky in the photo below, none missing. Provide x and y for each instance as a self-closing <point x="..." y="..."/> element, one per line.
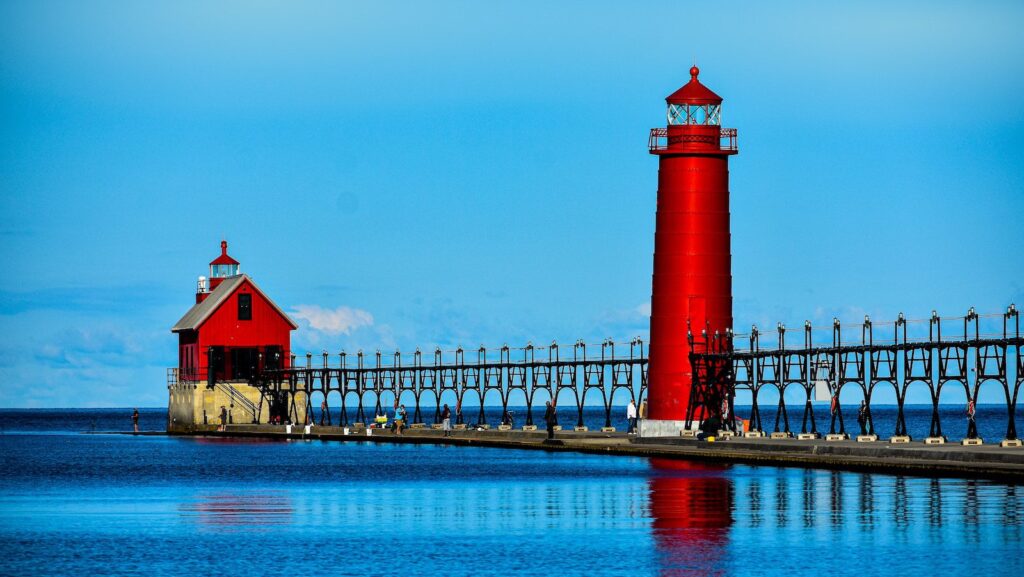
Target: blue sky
<point x="403" y="174"/>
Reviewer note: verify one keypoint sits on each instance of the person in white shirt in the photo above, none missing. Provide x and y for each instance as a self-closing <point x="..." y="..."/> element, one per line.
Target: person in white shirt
<point x="631" y="417"/>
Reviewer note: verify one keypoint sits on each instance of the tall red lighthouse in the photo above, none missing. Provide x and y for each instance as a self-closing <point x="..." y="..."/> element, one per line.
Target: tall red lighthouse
<point x="692" y="261"/>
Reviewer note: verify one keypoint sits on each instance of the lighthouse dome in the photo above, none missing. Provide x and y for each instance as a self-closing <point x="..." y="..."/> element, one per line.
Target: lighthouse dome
<point x="693" y="92"/>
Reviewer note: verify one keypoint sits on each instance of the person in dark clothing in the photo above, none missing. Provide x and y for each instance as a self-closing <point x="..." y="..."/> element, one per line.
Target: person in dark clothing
<point x="446" y="421"/>
<point x="223" y="418"/>
<point x="862" y="418"/>
<point x="550" y="418"/>
<point x="135" y="420"/>
<point x="972" y="427"/>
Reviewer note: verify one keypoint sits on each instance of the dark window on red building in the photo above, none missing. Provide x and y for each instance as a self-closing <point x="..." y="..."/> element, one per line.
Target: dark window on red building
<point x="245" y="307"/>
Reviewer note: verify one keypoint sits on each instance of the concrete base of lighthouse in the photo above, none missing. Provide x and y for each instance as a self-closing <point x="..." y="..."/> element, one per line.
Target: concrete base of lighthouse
<point x="663" y="428"/>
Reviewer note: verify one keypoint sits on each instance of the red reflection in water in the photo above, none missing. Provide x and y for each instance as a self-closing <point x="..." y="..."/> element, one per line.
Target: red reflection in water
<point x="691" y="504"/>
<point x="226" y="510"/>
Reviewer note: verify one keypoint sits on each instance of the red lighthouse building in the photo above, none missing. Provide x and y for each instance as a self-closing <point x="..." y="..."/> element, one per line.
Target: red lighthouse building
<point x="692" y="261"/>
<point x="232" y="330"/>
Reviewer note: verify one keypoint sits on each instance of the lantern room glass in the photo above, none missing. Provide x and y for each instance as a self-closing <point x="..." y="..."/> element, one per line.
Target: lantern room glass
<point x="223" y="270"/>
<point x="699" y="114"/>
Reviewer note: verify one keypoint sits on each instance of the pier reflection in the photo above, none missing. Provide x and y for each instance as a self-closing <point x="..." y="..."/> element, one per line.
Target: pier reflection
<point x="691" y="507"/>
<point x="870" y="510"/>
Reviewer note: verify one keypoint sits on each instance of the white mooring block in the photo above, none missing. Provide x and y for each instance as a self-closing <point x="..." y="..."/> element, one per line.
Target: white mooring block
<point x="935" y="441"/>
<point x="971" y="442"/>
<point x="867" y="438"/>
<point x="1010" y="443"/>
<point x="837" y="437"/>
<point x="899" y="440"/>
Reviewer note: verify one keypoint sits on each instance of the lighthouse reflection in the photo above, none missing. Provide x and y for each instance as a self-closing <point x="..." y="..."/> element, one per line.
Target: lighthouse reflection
<point x="691" y="506"/>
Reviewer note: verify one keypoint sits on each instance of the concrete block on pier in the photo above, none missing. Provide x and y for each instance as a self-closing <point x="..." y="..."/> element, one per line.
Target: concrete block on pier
<point x="687" y="433"/>
<point x="459" y="427"/>
<point x="753" y="434"/>
<point x="975" y="441"/>
<point x="725" y="434"/>
<point x="581" y="428"/>
<point x="358" y="425"/>
<point x="504" y="427"/>
<point x="807" y="436"/>
<point x="436" y="426"/>
<point x="1010" y="443"/>
<point x="418" y="426"/>
<point x="607" y="429"/>
<point x="935" y="441"/>
<point x="867" y="438"/>
<point x="781" y="435"/>
<point x="557" y="428"/>
<point x="483" y="426"/>
<point x="899" y="440"/>
<point x="837" y="437"/>
<point x="529" y="427"/>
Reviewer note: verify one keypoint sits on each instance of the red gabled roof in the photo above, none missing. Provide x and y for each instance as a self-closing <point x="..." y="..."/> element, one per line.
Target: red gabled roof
<point x="223" y="258"/>
<point x="693" y="92"/>
<point x="200" y="312"/>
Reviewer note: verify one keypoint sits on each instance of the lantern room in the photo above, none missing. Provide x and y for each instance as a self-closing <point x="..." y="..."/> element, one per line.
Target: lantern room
<point x="223" y="266"/>
<point x="694" y="104"/>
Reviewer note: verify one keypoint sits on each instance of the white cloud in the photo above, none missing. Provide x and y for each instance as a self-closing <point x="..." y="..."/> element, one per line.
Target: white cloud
<point x="643" y="309"/>
<point x="342" y="320"/>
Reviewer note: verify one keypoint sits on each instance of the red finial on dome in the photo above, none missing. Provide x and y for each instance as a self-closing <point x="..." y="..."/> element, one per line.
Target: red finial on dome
<point x="224" y="247"/>
<point x="694" y="71"/>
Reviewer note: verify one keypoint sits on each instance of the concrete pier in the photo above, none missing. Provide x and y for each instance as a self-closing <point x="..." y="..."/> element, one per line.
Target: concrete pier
<point x="988" y="461"/>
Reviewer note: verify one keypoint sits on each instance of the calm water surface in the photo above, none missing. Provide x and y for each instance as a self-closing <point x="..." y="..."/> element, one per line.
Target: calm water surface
<point x="74" y="504"/>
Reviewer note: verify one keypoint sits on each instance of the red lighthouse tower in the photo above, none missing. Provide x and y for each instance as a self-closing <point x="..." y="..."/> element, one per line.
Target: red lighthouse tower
<point x="692" y="261"/>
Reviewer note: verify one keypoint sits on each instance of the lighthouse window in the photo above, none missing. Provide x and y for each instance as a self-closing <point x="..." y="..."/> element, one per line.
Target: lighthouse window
<point x="245" y="307"/>
<point x="224" y="270"/>
<point x="709" y="114"/>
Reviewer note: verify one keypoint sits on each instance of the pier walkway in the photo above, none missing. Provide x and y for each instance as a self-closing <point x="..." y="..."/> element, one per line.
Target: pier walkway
<point x="983" y="461"/>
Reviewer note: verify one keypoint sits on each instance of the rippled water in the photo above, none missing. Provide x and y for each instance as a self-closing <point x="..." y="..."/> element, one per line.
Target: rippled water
<point x="73" y="504"/>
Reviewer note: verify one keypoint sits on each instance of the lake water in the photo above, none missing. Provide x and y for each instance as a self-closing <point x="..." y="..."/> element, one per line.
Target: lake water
<point x="80" y="504"/>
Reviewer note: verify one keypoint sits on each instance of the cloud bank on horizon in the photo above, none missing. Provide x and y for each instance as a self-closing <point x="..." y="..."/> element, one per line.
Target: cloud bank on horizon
<point x="454" y="173"/>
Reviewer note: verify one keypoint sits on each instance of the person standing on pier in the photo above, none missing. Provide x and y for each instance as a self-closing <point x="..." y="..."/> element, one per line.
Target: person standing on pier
<point x="862" y="418"/>
<point x="135" y="420"/>
<point x="323" y="412"/>
<point x="223" y="418"/>
<point x="550" y="418"/>
<point x="446" y="421"/>
<point x="631" y="417"/>
<point x="972" y="427"/>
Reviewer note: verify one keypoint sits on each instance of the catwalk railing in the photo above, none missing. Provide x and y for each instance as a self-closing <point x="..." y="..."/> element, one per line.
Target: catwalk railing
<point x="972" y="352"/>
<point x="538" y="374"/>
<point x="969" y="352"/>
